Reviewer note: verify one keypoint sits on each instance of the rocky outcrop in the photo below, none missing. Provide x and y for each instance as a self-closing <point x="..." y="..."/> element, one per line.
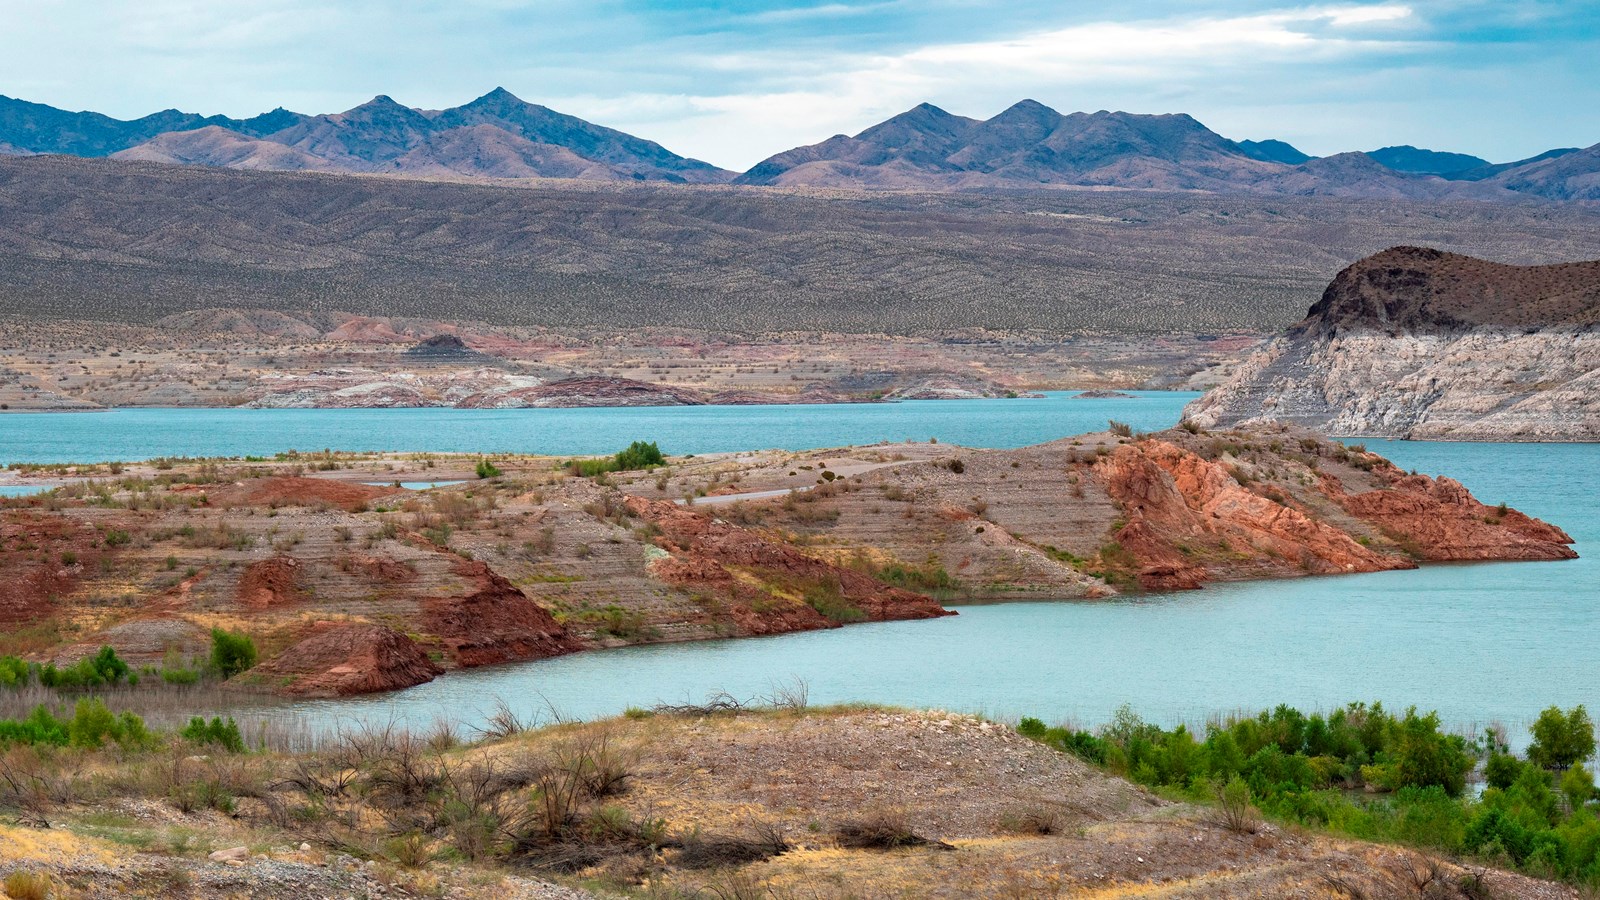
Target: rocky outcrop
<point x="1438" y="519"/>
<point x="269" y="583"/>
<point x="337" y="659"/>
<point x="495" y="623"/>
<point x="1319" y="510"/>
<point x="772" y="587"/>
<point x="1421" y="344"/>
<point x="585" y="390"/>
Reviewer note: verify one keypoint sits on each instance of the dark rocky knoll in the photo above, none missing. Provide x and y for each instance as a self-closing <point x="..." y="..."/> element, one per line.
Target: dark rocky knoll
<point x="1406" y="158"/>
<point x="99" y="240"/>
<point x="1419" y="343"/>
<point x="1418" y="290"/>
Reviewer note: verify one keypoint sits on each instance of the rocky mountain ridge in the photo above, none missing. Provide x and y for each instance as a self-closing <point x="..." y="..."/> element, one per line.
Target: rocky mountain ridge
<point x="497" y="135"/>
<point x="1419" y="343"/>
<point x="1027" y="146"/>
<point x="1030" y="145"/>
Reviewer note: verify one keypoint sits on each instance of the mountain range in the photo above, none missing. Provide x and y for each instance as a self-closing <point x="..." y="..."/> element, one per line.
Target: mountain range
<point x="1029" y="145"/>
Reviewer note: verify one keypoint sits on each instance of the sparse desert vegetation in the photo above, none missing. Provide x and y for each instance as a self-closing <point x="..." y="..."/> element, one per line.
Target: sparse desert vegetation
<point x="697" y="802"/>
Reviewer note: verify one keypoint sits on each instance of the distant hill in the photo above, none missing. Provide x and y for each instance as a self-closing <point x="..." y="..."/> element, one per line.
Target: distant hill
<point x="1417" y="161"/>
<point x="110" y="240"/>
<point x="1031" y="145"/>
<point x="1274" y="151"/>
<point x="1564" y="176"/>
<point x="37" y="128"/>
<point x="1027" y="146"/>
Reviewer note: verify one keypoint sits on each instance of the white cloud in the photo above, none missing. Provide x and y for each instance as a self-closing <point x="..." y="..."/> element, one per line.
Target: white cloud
<point x="795" y="98"/>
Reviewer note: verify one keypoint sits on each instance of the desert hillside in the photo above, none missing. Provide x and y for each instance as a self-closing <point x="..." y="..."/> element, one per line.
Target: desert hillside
<point x="99" y="240"/>
<point x="829" y="803"/>
<point x="1418" y="343"/>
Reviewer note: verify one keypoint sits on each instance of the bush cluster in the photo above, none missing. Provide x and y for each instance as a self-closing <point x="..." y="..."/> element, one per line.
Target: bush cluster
<point x="91" y="725"/>
<point x="1370" y="774"/>
<point x="104" y="669"/>
<point x="636" y="456"/>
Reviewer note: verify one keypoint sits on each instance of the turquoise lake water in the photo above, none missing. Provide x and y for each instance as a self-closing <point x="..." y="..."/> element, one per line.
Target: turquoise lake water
<point x="135" y="434"/>
<point x="1480" y="642"/>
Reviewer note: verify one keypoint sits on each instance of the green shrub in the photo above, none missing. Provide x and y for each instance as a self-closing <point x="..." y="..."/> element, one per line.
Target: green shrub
<point x="14" y="672"/>
<point x="104" y="668"/>
<point x="223" y="734"/>
<point x="640" y="455"/>
<point x="1562" y="739"/>
<point x="487" y="469"/>
<point x="1298" y="769"/>
<point x="231" y="652"/>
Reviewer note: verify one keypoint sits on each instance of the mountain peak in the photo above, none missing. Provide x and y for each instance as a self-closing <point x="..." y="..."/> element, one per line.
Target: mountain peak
<point x="1030" y="109"/>
<point x="498" y="98"/>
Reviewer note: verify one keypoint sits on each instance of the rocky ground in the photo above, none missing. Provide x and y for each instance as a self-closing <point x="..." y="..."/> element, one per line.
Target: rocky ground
<point x="791" y="803"/>
<point x="229" y="357"/>
<point x="349" y="583"/>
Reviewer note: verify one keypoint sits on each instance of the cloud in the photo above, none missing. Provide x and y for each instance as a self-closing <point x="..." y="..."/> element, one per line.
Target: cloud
<point x="735" y="82"/>
<point x="788" y="97"/>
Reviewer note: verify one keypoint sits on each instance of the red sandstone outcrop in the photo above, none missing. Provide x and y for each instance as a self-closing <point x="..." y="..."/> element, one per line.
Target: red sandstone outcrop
<point x="1438" y="519"/>
<point x="495" y="623"/>
<point x="1189" y="519"/>
<point x="271" y="582"/>
<point x="1173" y="499"/>
<point x="337" y="659"/>
<point x="32" y="545"/>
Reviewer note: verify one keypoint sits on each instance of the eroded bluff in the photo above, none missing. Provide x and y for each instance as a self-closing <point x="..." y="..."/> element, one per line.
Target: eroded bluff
<point x="1422" y="344"/>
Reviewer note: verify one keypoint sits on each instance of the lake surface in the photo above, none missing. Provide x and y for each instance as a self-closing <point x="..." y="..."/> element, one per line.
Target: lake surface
<point x="1479" y="642"/>
<point x="136" y="434"/>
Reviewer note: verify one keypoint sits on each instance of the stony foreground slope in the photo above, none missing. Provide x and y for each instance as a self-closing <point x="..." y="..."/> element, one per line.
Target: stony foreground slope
<point x="351" y="587"/>
<point x="1422" y="344"/>
<point x="816" y="804"/>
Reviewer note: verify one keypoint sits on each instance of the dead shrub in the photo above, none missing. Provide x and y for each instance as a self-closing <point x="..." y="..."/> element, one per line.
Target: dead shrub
<point x="1035" y="818"/>
<point x="21" y="885"/>
<point x="760" y="841"/>
<point x="882" y="828"/>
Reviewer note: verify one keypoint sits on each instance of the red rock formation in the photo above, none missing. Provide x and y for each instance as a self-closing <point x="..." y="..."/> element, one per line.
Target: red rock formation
<point x="1189" y="520"/>
<point x="1438" y="519"/>
<point x="270" y="582"/>
<point x="496" y="623"/>
<point x="703" y="549"/>
<point x="337" y="659"/>
<point x="1173" y="498"/>
<point x="31" y="548"/>
<point x="297" y="491"/>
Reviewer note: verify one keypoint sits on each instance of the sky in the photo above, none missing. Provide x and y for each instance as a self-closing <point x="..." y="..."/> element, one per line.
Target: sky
<point x="735" y="82"/>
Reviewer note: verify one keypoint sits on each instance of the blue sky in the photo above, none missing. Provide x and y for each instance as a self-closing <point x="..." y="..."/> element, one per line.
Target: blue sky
<point x="733" y="82"/>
